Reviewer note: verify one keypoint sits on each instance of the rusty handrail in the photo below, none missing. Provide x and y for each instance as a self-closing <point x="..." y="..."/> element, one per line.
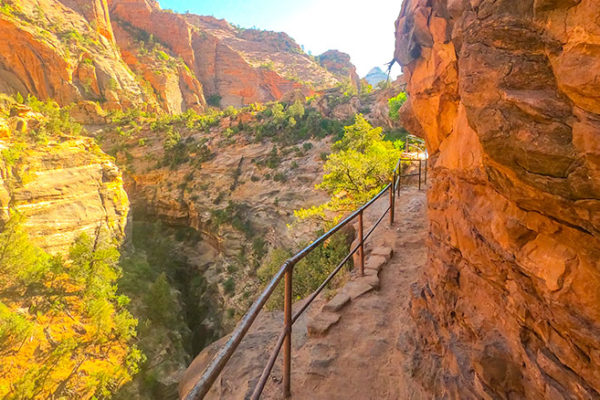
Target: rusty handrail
<point x="217" y="364"/>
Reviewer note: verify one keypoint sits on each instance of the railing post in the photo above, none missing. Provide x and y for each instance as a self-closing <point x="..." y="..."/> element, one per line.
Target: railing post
<point x="420" y="162"/>
<point x="287" y="343"/>
<point x="392" y="201"/>
<point x="426" y="168"/>
<point x="362" y="243"/>
<point x="399" y="178"/>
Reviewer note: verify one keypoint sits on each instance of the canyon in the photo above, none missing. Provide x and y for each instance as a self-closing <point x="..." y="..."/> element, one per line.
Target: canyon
<point x="190" y="142"/>
<point x="505" y="95"/>
<point x="197" y="195"/>
<point x="132" y="54"/>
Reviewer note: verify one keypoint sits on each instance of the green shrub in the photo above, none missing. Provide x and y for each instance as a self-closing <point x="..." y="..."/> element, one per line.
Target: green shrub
<point x="309" y="273"/>
<point x="214" y="100"/>
<point x="162" y="55"/>
<point x="394" y="105"/>
<point x="229" y="286"/>
<point x="160" y="302"/>
<point x="280" y="177"/>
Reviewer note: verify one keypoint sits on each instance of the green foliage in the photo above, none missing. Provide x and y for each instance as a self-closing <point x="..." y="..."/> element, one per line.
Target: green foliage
<point x="280" y="177"/>
<point x="7" y="9"/>
<point x="365" y="88"/>
<point x="394" y="105"/>
<point x="163" y="56"/>
<point x="160" y="303"/>
<point x="13" y="154"/>
<point x="56" y="120"/>
<point x="295" y="124"/>
<point x="309" y="273"/>
<point x="70" y="314"/>
<point x="214" y="100"/>
<point x="296" y="110"/>
<point x="268" y="65"/>
<point x="178" y="151"/>
<point x="360" y="166"/>
<point x="229" y="286"/>
<point x="19" y="98"/>
<point x="235" y="215"/>
<point x="384" y="85"/>
<point x="170" y="299"/>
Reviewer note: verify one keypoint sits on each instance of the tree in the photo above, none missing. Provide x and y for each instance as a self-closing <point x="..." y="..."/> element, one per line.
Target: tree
<point x="64" y="331"/>
<point x="160" y="302"/>
<point x="296" y="110"/>
<point x="309" y="273"/>
<point x="360" y="166"/>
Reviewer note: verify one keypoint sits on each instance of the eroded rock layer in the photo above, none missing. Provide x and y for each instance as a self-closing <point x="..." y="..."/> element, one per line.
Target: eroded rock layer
<point x="239" y="66"/>
<point x="127" y="54"/>
<point x="506" y="95"/>
<point x="64" y="189"/>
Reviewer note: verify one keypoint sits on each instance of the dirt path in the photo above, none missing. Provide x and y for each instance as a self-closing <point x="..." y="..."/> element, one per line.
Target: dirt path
<point x="362" y="357"/>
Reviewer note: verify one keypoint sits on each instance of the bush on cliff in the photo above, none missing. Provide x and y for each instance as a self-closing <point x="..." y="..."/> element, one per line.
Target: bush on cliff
<point x="308" y="273"/>
<point x="360" y="166"/>
<point x="64" y="330"/>
<point x="394" y="104"/>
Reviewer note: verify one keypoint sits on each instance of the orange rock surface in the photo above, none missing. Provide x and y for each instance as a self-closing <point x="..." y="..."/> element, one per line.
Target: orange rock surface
<point x="506" y="95"/>
<point x="241" y="66"/>
<point x="131" y="53"/>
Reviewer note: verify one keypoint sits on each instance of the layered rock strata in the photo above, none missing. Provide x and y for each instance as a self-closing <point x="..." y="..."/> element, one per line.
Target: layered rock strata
<point x="506" y="95"/>
<point x="63" y="189"/>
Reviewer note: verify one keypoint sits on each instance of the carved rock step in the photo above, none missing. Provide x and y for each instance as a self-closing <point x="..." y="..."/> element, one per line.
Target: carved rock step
<point x="375" y="263"/>
<point x="360" y="286"/>
<point x="320" y="323"/>
<point x="337" y="302"/>
<point x="383" y="251"/>
<point x="321" y="357"/>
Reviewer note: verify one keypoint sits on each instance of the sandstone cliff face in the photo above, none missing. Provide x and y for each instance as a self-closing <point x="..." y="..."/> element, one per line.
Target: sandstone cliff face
<point x="63" y="188"/>
<point x="63" y="50"/>
<point x="240" y="66"/>
<point x="339" y="64"/>
<point x="506" y="95"/>
<point x="132" y="54"/>
<point x="67" y="50"/>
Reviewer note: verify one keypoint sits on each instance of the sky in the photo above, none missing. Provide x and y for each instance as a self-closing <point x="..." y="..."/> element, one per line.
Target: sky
<point x="363" y="29"/>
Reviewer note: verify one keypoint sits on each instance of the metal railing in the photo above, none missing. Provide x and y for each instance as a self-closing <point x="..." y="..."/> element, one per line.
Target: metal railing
<point x="218" y="363"/>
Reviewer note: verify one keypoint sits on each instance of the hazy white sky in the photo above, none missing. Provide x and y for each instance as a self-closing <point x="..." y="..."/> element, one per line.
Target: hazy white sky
<point x="363" y="29"/>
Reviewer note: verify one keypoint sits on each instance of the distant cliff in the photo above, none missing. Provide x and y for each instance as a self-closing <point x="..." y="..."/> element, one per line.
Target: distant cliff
<point x="132" y="54"/>
<point x="375" y="76"/>
<point x="506" y="95"/>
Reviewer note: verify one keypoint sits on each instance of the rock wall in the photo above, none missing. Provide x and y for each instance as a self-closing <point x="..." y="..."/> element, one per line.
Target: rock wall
<point x="66" y="192"/>
<point x="339" y="64"/>
<point x="506" y="95"/>
<point x="241" y="66"/>
<point x="64" y="187"/>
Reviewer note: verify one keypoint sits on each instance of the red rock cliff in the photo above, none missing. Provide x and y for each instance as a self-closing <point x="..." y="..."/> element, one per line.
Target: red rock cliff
<point x="506" y="94"/>
<point x="241" y="66"/>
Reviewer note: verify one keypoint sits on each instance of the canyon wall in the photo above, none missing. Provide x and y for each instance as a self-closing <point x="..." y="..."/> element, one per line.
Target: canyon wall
<point x="63" y="187"/>
<point x="506" y="95"/>
<point x="239" y="66"/>
<point x="127" y="54"/>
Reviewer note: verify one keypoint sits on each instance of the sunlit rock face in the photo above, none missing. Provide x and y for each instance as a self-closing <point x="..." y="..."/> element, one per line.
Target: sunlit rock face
<point x="241" y="66"/>
<point x="63" y="190"/>
<point x="506" y="94"/>
<point x="339" y="64"/>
